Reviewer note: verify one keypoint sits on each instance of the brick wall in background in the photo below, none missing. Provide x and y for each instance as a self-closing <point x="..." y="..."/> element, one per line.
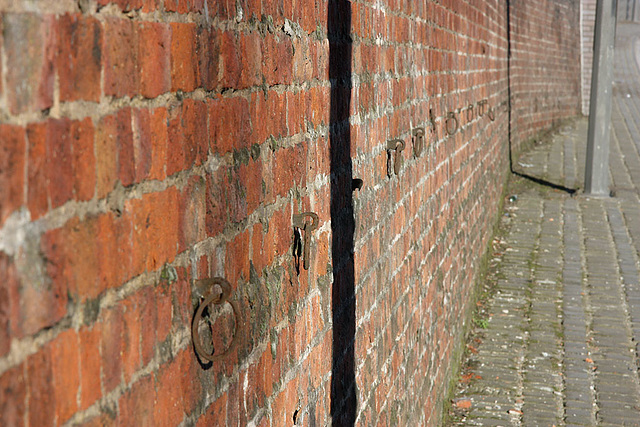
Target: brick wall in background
<point x="148" y="143"/>
<point x="545" y="64"/>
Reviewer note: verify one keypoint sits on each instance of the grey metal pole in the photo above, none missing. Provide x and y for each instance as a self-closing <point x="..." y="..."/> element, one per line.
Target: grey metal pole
<point x="596" y="181"/>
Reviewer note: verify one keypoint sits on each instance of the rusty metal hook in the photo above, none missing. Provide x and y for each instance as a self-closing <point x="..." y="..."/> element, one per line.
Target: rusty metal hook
<point x="396" y="145"/>
<point x="300" y="222"/>
<point x="418" y="145"/>
<point x="482" y="107"/>
<point x="217" y="298"/>
<point x="470" y="113"/>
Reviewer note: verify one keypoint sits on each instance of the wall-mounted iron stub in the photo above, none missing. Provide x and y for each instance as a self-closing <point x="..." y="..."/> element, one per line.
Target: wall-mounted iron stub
<point x="418" y="141"/>
<point x="217" y="291"/>
<point x="394" y="151"/>
<point x="301" y="221"/>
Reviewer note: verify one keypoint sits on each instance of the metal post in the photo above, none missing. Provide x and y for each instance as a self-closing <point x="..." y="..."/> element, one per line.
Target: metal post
<point x="596" y="180"/>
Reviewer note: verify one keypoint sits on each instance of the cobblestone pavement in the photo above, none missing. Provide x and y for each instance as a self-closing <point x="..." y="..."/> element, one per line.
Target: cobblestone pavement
<point x="558" y="341"/>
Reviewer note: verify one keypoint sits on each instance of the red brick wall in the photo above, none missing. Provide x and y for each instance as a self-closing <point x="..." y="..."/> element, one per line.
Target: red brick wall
<point x="545" y="64"/>
<point x="145" y="144"/>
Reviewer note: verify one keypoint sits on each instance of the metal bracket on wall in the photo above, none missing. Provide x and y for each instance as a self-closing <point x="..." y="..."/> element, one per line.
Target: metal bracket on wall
<point x="217" y="290"/>
<point x="300" y="221"/>
<point x="482" y="107"/>
<point x="396" y="145"/>
<point x="418" y="141"/>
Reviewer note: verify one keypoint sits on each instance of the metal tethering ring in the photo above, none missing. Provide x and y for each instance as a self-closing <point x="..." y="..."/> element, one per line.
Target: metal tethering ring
<point x="451" y="116"/>
<point x="217" y="299"/>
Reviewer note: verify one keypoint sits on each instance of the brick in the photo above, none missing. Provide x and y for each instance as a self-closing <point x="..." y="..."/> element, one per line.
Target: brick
<point x="90" y="363"/>
<point x="194" y="129"/>
<point x="215" y="413"/>
<point x="251" y="66"/>
<point x="176" y="152"/>
<point x="208" y="51"/>
<point x="184" y="6"/>
<point x="106" y="155"/>
<point x="193" y="213"/>
<point x="79" y="57"/>
<point x="9" y="303"/>
<point x="59" y="159"/>
<point x="128" y="5"/>
<point x="40" y="389"/>
<point x="115" y="159"/>
<point x="121" y="76"/>
<point x="37" y="180"/>
<point x="12" y="396"/>
<point x="111" y="347"/>
<point x="30" y="77"/>
<point x="12" y="166"/>
<point x="148" y="324"/>
<point x="131" y="333"/>
<point x="142" y="144"/>
<point x="65" y="369"/>
<point x="231" y="55"/>
<point x="84" y="173"/>
<point x="154" y="231"/>
<point x="237" y="259"/>
<point x="230" y="124"/>
<point x="216" y="207"/>
<point x="137" y="404"/>
<point x="177" y="392"/>
<point x="159" y="141"/>
<point x="154" y="52"/>
<point x="183" y="60"/>
<point x="277" y="60"/>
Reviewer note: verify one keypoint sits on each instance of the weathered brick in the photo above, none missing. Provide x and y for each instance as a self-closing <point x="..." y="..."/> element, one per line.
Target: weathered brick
<point x="90" y="362"/>
<point x="12" y="396"/>
<point x="142" y="143"/>
<point x="30" y="76"/>
<point x="184" y="65"/>
<point x="231" y="55"/>
<point x="154" y="52"/>
<point x="65" y="369"/>
<point x="136" y="406"/>
<point x="9" y="302"/>
<point x="12" y="164"/>
<point x="40" y="389"/>
<point x="154" y="232"/>
<point x="127" y="5"/>
<point x="84" y="173"/>
<point x="177" y="393"/>
<point x="111" y="347"/>
<point x="251" y="67"/>
<point x="159" y="140"/>
<point x="208" y="51"/>
<point x="230" y="124"/>
<point x="193" y="213"/>
<point x="121" y="65"/>
<point x="79" y="57"/>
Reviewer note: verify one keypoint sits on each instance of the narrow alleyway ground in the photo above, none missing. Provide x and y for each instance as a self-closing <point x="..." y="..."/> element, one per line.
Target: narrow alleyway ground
<point x="556" y="342"/>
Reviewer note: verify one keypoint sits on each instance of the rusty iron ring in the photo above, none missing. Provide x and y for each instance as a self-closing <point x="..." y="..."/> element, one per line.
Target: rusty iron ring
<point x="217" y="299"/>
<point x="451" y="115"/>
<point x="491" y="114"/>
